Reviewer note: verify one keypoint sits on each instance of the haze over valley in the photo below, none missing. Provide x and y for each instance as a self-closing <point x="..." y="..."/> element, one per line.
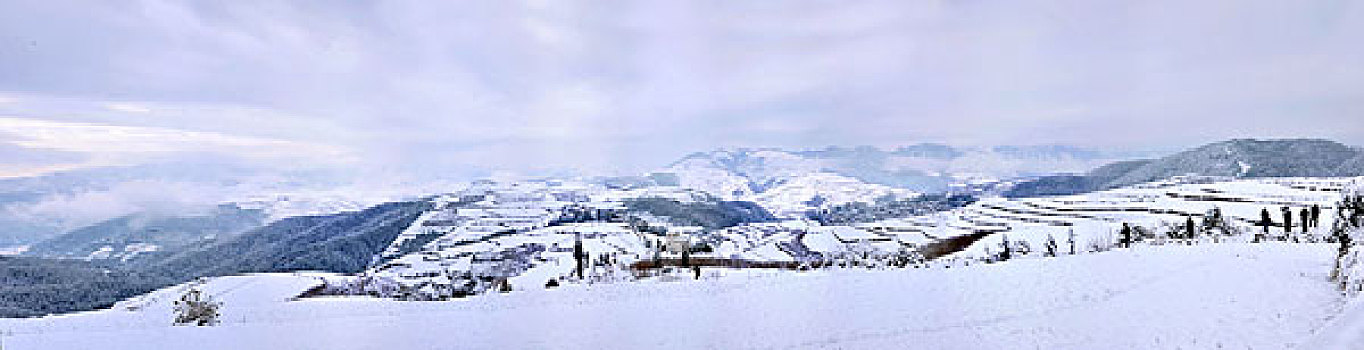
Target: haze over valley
<point x="681" y="175"/>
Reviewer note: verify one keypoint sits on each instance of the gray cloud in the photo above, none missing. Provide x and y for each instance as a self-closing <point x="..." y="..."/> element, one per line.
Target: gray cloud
<point x="26" y="161"/>
<point x="627" y="86"/>
<point x="17" y="155"/>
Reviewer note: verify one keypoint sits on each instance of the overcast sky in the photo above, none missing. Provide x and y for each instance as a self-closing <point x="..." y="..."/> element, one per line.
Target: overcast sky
<point x="625" y="86"/>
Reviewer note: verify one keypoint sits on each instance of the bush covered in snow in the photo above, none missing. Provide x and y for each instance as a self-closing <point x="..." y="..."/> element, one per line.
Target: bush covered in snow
<point x="1347" y="231"/>
<point x="1100" y="242"/>
<point x="196" y="309"/>
<point x="1349" y="271"/>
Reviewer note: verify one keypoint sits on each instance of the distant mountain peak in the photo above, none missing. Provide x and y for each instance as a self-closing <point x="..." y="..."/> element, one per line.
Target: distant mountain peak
<point x="742" y="172"/>
<point x="1235" y="158"/>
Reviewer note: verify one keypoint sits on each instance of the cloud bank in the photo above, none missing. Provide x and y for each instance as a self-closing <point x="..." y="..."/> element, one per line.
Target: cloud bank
<point x="626" y="86"/>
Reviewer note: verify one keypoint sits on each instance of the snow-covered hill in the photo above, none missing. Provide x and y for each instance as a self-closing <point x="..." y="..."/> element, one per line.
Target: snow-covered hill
<point x="170" y="230"/>
<point x="736" y="173"/>
<point x="785" y="184"/>
<point x="1239" y="158"/>
<point x="794" y="197"/>
<point x="517" y="233"/>
<point x="1233" y="296"/>
<point x="863" y="287"/>
<point x="1253" y="158"/>
<point x="789" y="182"/>
<point x="739" y="173"/>
<point x="1156" y="206"/>
<point x="33" y="209"/>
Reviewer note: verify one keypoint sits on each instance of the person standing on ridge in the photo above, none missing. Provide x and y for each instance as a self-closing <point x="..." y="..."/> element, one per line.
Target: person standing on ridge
<point x="1306" y="216"/>
<point x="1189" y="227"/>
<point x="1125" y="236"/>
<point x="579" y="254"/>
<point x="1287" y="220"/>
<point x="1265" y="221"/>
<point x="1316" y="215"/>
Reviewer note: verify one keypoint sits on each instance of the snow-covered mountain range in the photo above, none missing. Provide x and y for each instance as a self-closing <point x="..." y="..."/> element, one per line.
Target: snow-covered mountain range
<point x="920" y="168"/>
<point x="1240" y="158"/>
<point x="511" y="243"/>
<point x="789" y="182"/>
<point x="720" y="219"/>
<point x="37" y="208"/>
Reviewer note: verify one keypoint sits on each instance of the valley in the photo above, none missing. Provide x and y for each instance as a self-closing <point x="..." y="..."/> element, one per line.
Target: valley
<point x="503" y="251"/>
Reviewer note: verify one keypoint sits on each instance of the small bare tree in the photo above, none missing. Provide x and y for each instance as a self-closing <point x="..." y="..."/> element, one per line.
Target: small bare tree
<point x="196" y="309"/>
<point x="1071" y="240"/>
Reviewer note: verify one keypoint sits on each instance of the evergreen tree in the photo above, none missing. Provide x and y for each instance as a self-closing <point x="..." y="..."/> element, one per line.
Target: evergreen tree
<point x="1071" y="239"/>
<point x="1340" y="232"/>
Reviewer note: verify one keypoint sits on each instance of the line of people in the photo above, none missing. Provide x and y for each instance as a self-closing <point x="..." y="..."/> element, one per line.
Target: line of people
<point x="1351" y="210"/>
<point x="1309" y="217"/>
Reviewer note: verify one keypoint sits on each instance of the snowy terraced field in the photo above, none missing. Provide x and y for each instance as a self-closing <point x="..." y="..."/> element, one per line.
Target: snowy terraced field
<point x="1209" y="295"/>
<point x="1237" y="296"/>
<point x="1094" y="216"/>
<point x="517" y="232"/>
<point x="513" y="238"/>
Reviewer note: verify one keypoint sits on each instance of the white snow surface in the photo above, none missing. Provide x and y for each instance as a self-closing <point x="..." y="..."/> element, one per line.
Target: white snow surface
<point x="1345" y="331"/>
<point x="792" y="198"/>
<point x="1237" y="296"/>
<point x="781" y="182"/>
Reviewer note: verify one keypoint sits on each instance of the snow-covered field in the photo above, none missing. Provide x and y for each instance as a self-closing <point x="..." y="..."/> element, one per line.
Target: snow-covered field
<point x="1231" y="294"/>
<point x="510" y="232"/>
<point x="1236" y="296"/>
<point x="1099" y="215"/>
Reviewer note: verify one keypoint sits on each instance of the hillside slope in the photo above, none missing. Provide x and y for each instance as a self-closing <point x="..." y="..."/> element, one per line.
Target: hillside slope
<point x="127" y="236"/>
<point x="735" y="173"/>
<point x="1250" y="159"/>
<point x="1239" y="158"/>
<point x="1249" y="296"/>
<point x="346" y="242"/>
<point x="35" y="286"/>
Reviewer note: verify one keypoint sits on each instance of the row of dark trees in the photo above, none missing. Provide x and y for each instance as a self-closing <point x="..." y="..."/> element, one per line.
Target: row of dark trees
<point x="36" y="286"/>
